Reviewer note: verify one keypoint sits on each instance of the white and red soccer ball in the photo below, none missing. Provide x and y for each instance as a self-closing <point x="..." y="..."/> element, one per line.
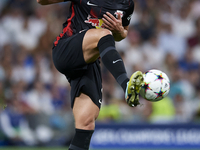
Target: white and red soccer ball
<point x="156" y="85"/>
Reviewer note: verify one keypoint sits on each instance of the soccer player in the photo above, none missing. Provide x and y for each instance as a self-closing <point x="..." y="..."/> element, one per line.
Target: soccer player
<point x="89" y="33"/>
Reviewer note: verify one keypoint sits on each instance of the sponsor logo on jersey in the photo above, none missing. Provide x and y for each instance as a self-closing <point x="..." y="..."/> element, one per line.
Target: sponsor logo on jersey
<point x="119" y="12"/>
<point x="129" y="17"/>
<point x="98" y="23"/>
<point x="91" y="4"/>
<point x="117" y="61"/>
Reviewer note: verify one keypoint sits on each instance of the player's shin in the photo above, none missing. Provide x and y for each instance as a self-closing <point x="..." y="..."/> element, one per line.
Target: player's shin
<point x="112" y="60"/>
<point x="81" y="140"/>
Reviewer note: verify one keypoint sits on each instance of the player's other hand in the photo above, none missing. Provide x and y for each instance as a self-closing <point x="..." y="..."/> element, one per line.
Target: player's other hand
<point x="112" y="23"/>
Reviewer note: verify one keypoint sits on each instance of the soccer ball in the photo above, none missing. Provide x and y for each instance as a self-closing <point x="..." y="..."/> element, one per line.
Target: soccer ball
<point x="156" y="85"/>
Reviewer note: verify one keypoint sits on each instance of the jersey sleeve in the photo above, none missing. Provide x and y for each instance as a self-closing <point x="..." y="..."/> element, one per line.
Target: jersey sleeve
<point x="127" y="17"/>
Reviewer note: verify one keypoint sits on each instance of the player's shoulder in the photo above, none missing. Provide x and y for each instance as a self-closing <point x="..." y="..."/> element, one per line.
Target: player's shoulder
<point x="127" y="4"/>
<point x="131" y="3"/>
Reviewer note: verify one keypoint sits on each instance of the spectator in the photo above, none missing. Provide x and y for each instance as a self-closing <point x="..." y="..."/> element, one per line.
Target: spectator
<point x="172" y="43"/>
<point x="15" y="126"/>
<point x="153" y="53"/>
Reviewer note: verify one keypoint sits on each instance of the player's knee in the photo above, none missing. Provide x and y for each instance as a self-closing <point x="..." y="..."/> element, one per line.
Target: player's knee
<point x="104" y="32"/>
<point x="86" y="123"/>
<point x="89" y="123"/>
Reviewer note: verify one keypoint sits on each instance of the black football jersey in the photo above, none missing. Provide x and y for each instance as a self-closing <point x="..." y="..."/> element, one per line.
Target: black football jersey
<point x="87" y="14"/>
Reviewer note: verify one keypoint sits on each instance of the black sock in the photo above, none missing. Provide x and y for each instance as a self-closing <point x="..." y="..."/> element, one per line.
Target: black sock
<point x="81" y="140"/>
<point x="112" y="60"/>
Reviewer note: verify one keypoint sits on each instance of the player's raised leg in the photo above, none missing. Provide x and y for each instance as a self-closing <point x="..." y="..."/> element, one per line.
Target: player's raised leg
<point x="101" y="43"/>
<point x="85" y="113"/>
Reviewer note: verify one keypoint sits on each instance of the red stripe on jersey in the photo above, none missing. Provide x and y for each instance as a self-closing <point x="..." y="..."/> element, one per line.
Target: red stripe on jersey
<point x="93" y="14"/>
<point x="68" y="30"/>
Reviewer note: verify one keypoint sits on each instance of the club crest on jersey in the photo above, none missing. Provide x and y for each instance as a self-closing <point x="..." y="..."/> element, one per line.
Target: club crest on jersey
<point x="119" y="12"/>
<point x="98" y="23"/>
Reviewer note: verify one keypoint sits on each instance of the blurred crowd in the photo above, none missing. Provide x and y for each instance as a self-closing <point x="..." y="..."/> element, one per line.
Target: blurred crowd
<point x="35" y="97"/>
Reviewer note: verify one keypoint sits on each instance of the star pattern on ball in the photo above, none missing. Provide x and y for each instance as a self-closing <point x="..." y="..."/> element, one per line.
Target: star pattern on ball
<point x="159" y="77"/>
<point x="146" y="86"/>
<point x="159" y="94"/>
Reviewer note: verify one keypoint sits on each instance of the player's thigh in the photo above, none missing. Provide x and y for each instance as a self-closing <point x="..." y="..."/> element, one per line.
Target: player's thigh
<point x="85" y="112"/>
<point x="90" y="42"/>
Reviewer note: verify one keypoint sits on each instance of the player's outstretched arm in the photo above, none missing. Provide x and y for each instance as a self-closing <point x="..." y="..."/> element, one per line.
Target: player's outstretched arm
<point x="47" y="2"/>
<point x="115" y="26"/>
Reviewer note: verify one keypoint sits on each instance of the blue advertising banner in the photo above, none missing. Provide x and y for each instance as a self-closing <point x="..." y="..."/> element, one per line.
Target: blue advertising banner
<point x="146" y="136"/>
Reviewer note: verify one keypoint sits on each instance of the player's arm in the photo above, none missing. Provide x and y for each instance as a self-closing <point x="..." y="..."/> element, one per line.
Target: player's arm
<point x="121" y="35"/>
<point x="115" y="26"/>
<point x="47" y="2"/>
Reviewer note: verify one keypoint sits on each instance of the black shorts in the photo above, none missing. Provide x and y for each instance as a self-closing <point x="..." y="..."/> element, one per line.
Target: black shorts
<point x="83" y="78"/>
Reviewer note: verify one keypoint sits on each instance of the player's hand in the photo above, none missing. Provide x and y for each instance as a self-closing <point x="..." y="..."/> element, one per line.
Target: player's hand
<point x="112" y="23"/>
